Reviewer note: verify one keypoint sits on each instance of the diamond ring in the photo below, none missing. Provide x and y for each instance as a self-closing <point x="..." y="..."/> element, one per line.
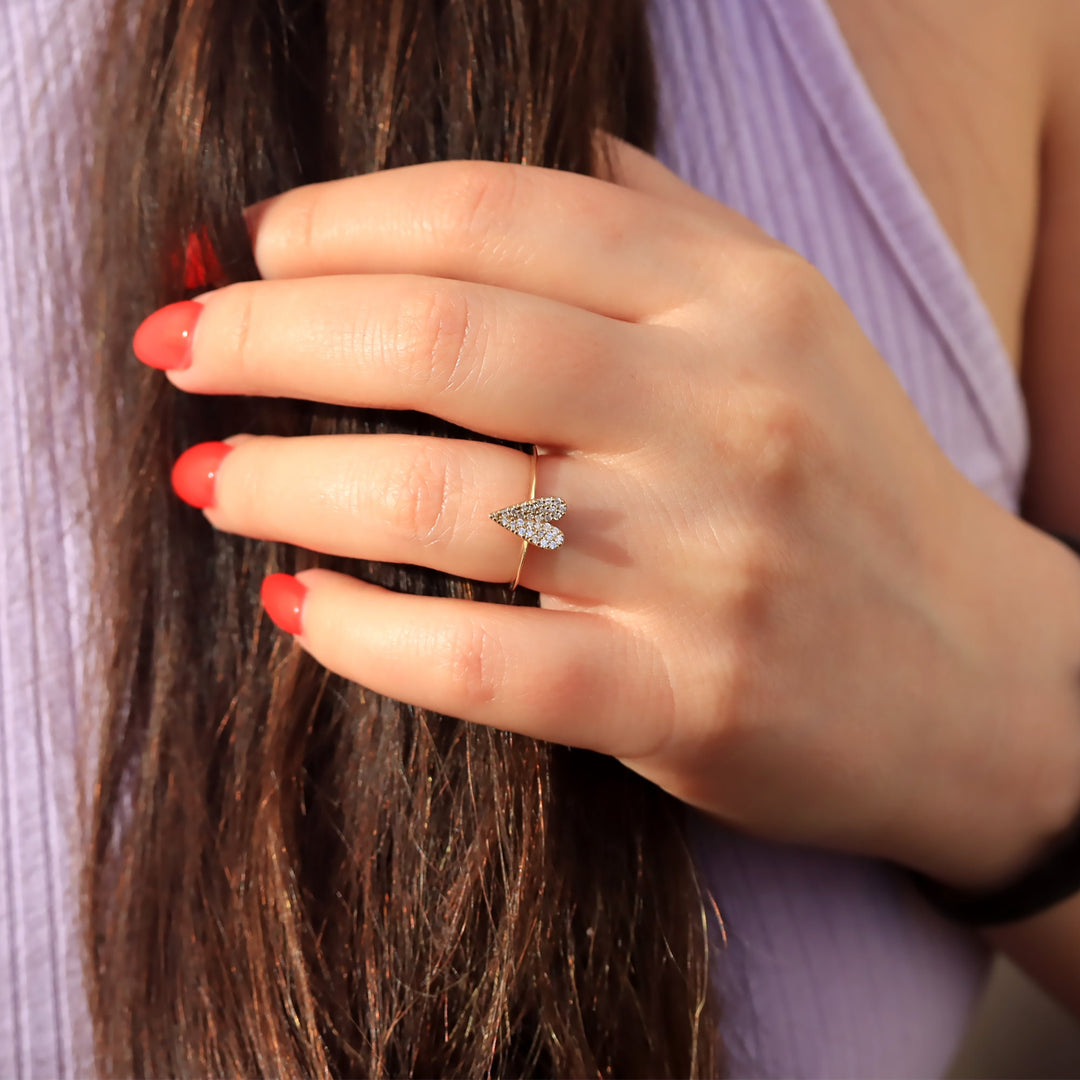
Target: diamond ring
<point x="531" y="520"/>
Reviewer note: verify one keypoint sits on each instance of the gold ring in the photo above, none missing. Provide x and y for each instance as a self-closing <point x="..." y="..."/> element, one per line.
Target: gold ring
<point x="531" y="520"/>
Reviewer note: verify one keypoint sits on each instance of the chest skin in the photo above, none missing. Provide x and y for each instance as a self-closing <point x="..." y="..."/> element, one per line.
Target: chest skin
<point x="962" y="85"/>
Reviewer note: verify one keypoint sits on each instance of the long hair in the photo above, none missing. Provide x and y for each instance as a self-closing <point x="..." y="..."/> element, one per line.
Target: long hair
<point x="285" y="874"/>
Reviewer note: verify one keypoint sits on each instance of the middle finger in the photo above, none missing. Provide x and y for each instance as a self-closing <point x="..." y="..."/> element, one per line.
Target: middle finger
<point x="506" y="364"/>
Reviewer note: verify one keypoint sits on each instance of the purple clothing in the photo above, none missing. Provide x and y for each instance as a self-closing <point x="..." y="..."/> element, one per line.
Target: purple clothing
<point x="43" y="1027"/>
<point x="832" y="966"/>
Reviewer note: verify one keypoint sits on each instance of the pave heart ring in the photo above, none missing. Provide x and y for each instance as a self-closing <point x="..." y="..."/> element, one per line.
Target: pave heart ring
<point x="531" y="520"/>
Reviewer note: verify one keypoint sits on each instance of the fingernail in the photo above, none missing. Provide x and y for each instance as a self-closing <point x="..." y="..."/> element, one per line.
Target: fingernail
<point x="195" y="472"/>
<point x="163" y="340"/>
<point x="283" y="598"/>
<point x="201" y="265"/>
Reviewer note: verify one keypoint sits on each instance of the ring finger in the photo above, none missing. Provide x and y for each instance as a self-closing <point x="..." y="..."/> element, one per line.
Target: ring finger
<point x="412" y="500"/>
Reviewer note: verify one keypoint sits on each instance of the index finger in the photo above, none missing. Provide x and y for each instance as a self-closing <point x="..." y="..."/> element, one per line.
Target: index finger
<point x="626" y="254"/>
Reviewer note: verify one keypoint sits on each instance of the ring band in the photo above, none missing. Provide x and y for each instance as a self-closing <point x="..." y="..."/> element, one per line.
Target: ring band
<point x="531" y="520"/>
<point x="525" y="543"/>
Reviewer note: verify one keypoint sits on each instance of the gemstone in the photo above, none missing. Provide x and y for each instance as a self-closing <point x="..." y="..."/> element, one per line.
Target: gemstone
<point x="532" y="521"/>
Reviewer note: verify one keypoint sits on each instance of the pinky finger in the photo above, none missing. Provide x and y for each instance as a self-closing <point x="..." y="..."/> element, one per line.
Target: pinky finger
<point x="564" y="676"/>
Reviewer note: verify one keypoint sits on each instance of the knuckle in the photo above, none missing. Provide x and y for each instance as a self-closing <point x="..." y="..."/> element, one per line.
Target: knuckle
<point x="430" y="340"/>
<point x="418" y="498"/>
<point x="735" y="701"/>
<point x="780" y="457"/>
<point x="751" y="605"/>
<point x="732" y="676"/>
<point x="717" y="685"/>
<point x="473" y="660"/>
<point x="776" y="438"/>
<point x="785" y="293"/>
<point x="479" y="199"/>
<point x="755" y="582"/>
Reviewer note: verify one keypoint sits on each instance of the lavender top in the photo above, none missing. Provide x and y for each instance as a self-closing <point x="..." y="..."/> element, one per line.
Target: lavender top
<point x="832" y="967"/>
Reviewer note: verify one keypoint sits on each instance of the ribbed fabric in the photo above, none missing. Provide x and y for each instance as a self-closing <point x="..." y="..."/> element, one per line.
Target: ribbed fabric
<point x="832" y="966"/>
<point x="43" y="1024"/>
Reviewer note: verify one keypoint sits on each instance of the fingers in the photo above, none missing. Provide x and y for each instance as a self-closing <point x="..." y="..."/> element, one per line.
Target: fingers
<point x="509" y="365"/>
<point x="404" y="499"/>
<point x="576" y="239"/>
<point x="568" y="677"/>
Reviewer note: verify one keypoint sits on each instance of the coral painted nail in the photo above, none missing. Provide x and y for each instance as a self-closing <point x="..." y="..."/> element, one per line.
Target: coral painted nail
<point x="195" y="472"/>
<point x="163" y="340"/>
<point x="283" y="598"/>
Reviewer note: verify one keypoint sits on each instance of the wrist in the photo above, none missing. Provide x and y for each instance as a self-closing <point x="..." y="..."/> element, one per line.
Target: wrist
<point x="1014" y="599"/>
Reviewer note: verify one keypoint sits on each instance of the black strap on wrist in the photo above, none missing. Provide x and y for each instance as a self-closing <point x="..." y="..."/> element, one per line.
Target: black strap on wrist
<point x="1053" y="878"/>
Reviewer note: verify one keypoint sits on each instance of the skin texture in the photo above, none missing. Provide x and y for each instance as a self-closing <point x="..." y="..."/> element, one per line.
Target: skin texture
<point x="995" y="143"/>
<point x="821" y="631"/>
<point x="964" y="88"/>
<point x="755" y="473"/>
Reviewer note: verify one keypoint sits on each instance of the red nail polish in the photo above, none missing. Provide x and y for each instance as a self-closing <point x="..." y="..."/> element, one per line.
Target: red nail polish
<point x="195" y="471"/>
<point x="163" y="340"/>
<point x="201" y="265"/>
<point x="283" y="598"/>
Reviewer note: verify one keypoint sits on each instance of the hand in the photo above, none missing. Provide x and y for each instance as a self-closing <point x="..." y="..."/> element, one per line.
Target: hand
<point x="760" y="604"/>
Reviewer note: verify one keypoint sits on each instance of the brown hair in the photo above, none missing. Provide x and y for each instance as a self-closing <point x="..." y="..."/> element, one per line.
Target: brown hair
<point x="285" y="873"/>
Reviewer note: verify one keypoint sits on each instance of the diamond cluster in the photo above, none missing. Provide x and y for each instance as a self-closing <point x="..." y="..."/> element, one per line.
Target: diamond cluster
<point x="530" y="520"/>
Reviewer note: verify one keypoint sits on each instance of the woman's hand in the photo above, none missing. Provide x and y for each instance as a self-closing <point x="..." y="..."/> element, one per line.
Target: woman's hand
<point x="776" y="598"/>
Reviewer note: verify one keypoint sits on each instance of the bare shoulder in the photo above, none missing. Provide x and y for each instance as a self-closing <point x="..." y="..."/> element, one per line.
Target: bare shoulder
<point x="1051" y="373"/>
<point x="1063" y="50"/>
<point x="963" y="86"/>
<point x="983" y="97"/>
